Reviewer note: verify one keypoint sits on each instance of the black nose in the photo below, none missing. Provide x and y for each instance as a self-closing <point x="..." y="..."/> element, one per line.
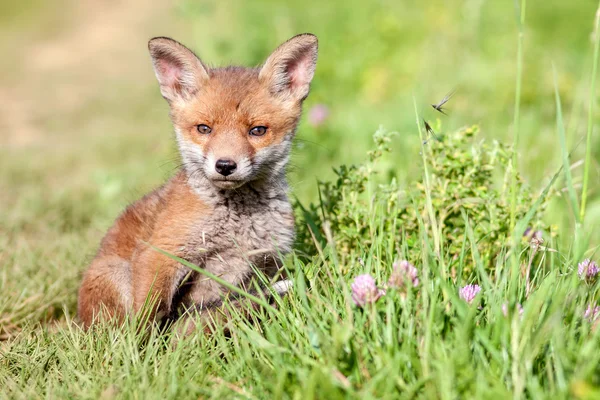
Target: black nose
<point x="225" y="167"/>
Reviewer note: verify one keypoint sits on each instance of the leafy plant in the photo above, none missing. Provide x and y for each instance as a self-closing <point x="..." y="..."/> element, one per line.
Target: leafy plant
<point x="468" y="176"/>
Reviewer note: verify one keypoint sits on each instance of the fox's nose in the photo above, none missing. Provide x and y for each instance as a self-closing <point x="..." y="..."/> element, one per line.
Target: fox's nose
<point x="225" y="167"/>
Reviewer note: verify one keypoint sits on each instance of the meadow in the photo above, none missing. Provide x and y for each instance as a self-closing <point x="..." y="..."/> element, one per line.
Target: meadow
<point x="507" y="199"/>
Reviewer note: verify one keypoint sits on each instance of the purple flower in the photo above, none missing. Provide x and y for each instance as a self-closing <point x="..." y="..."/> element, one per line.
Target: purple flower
<point x="404" y="273"/>
<point x="317" y="115"/>
<point x="592" y="313"/>
<point x="365" y="291"/>
<point x="587" y="270"/>
<point x="505" y="309"/>
<point x="536" y="240"/>
<point x="469" y="292"/>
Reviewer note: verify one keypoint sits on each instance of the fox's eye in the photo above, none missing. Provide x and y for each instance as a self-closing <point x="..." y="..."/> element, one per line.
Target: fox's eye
<point x="258" y="131"/>
<point x="204" y="129"/>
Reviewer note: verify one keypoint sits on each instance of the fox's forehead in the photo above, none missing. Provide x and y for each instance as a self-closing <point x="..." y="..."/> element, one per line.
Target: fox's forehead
<point x="232" y="77"/>
<point x="233" y="91"/>
<point x="234" y="95"/>
<point x="232" y="83"/>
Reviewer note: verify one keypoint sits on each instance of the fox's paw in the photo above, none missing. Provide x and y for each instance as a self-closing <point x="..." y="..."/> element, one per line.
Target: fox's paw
<point x="282" y="287"/>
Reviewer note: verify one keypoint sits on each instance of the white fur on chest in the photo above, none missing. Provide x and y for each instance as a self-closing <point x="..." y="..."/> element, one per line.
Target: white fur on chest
<point x="249" y="226"/>
<point x="238" y="233"/>
<point x="235" y="238"/>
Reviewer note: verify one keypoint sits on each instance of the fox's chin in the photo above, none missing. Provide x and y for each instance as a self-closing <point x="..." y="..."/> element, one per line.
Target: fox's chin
<point x="227" y="184"/>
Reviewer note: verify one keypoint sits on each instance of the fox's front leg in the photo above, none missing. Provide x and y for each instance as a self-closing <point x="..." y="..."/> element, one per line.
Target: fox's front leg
<point x="219" y="314"/>
<point x="155" y="281"/>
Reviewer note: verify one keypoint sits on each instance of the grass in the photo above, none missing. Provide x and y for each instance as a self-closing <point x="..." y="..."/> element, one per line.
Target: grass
<point x="521" y="12"/>
<point x="588" y="152"/>
<point x="80" y="140"/>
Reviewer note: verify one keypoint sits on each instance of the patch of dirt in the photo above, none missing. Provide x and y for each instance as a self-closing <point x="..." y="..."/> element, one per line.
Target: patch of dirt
<point x="100" y="43"/>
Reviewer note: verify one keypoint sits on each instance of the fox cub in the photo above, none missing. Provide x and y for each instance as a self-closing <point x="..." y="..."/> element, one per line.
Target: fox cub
<point x="227" y="209"/>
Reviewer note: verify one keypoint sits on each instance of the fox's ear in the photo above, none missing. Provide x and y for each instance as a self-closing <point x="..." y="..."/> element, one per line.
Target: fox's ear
<point x="290" y="68"/>
<point x="179" y="71"/>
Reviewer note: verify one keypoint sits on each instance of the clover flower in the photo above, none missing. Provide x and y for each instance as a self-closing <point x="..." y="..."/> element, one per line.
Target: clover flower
<point x="403" y="273"/>
<point x="365" y="291"/>
<point x="592" y="313"/>
<point x="587" y="270"/>
<point x="317" y="115"/>
<point x="469" y="292"/>
<point x="505" y="309"/>
<point x="536" y="240"/>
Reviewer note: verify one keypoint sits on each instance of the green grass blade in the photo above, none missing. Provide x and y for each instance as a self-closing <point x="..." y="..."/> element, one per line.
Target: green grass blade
<point x="513" y="185"/>
<point x="560" y="128"/>
<point x="215" y="278"/>
<point x="524" y="222"/>
<point x="590" y="125"/>
<point x="429" y="205"/>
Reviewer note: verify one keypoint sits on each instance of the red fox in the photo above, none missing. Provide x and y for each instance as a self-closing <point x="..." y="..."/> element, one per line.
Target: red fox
<point x="227" y="209"/>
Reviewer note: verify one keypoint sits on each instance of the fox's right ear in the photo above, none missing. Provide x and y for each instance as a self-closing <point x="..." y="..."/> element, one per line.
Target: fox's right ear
<point x="179" y="71"/>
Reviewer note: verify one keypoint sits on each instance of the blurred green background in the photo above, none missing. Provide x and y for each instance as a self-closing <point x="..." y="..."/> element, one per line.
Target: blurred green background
<point x="84" y="131"/>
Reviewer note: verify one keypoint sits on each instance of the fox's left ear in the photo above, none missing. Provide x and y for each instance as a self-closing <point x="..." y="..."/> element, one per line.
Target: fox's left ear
<point x="290" y="68"/>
